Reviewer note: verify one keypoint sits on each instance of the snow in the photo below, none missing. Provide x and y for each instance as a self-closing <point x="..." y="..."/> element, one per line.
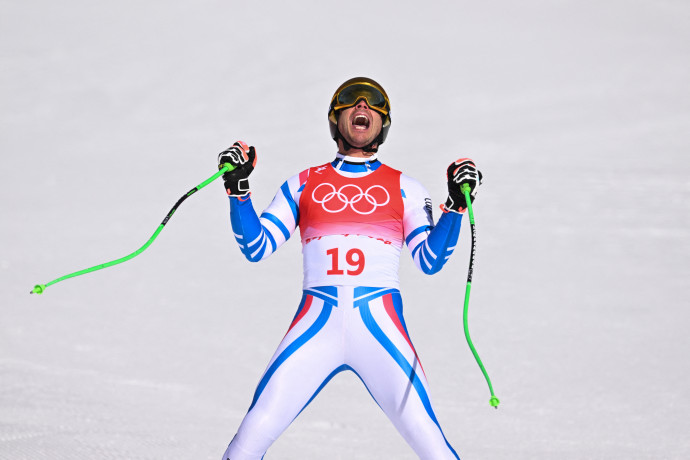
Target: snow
<point x="577" y="113"/>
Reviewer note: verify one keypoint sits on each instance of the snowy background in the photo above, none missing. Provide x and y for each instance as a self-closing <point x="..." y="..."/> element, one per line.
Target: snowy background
<point x="577" y="113"/>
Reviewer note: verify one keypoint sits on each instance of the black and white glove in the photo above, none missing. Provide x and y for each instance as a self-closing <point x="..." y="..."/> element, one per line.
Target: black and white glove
<point x="243" y="158"/>
<point x="462" y="171"/>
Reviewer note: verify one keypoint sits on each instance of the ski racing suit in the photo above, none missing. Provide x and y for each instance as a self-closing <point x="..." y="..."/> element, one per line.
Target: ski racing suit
<point x="353" y="219"/>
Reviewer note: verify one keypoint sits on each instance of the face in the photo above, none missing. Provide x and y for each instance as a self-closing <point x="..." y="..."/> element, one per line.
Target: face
<point x="359" y="125"/>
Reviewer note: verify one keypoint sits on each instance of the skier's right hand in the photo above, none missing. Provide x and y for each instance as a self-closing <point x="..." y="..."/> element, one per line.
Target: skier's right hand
<point x="243" y="158"/>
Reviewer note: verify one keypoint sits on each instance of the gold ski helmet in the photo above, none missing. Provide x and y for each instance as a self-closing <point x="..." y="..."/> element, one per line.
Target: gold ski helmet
<point x="351" y="92"/>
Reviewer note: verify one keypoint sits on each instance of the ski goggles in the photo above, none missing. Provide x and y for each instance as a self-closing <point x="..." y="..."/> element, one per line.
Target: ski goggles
<point x="350" y="95"/>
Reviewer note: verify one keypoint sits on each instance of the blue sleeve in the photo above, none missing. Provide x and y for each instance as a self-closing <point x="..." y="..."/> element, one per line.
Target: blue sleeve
<point x="431" y="253"/>
<point x="260" y="236"/>
<point x="251" y="236"/>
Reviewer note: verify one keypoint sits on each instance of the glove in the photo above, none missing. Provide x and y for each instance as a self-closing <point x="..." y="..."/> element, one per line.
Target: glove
<point x="462" y="171"/>
<point x="243" y="158"/>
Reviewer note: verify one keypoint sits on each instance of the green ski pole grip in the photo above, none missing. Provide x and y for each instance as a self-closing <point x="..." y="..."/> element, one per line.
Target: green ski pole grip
<point x="222" y="169"/>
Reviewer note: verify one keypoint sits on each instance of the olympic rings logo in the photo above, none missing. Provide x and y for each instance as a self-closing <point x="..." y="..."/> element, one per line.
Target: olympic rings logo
<point x="361" y="202"/>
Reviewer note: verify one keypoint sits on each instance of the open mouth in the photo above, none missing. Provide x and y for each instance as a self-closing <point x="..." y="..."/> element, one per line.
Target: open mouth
<point x="360" y="122"/>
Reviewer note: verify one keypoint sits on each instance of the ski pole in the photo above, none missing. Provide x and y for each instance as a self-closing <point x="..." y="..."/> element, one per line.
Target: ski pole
<point x="39" y="288"/>
<point x="465" y="188"/>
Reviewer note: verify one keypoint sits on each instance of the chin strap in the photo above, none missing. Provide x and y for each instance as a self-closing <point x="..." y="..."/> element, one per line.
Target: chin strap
<point x="370" y="148"/>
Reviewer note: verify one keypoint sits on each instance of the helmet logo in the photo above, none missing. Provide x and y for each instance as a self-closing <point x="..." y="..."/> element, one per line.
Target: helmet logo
<point x="362" y="202"/>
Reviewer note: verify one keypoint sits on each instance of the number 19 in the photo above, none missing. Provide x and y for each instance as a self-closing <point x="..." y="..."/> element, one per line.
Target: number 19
<point x="353" y="257"/>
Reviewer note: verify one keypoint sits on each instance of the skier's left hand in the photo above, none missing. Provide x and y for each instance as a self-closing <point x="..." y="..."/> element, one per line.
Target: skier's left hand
<point x="462" y="171"/>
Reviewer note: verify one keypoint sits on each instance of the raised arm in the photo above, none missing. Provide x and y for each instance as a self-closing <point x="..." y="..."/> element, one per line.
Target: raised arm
<point x="432" y="245"/>
<point x="258" y="236"/>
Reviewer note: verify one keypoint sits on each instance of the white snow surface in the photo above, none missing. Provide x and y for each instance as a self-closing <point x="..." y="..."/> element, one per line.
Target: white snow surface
<point x="577" y="113"/>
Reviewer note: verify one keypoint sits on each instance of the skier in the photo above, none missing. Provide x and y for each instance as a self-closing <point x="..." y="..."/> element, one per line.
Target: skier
<point x="354" y="214"/>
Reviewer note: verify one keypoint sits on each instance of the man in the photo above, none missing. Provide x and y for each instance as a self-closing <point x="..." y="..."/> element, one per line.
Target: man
<point x="354" y="215"/>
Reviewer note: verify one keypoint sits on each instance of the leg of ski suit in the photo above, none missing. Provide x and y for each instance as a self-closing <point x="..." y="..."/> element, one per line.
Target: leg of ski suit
<point x="344" y="328"/>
